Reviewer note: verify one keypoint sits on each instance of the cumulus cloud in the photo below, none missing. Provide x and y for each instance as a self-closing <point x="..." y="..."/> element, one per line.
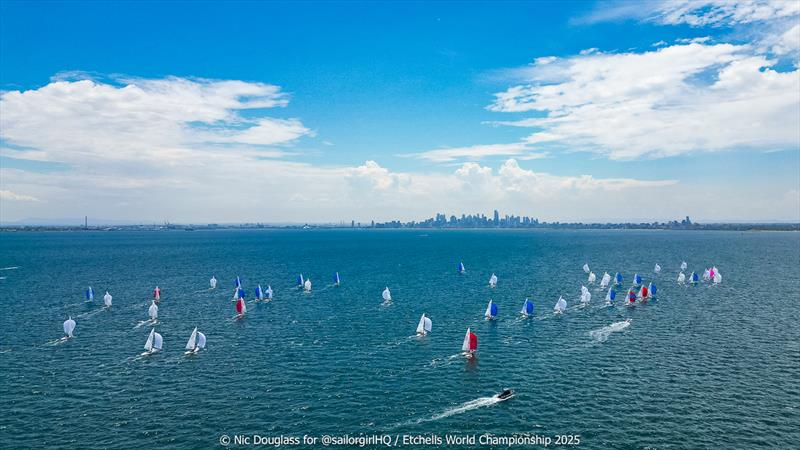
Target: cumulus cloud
<point x="698" y="13"/>
<point x="670" y="101"/>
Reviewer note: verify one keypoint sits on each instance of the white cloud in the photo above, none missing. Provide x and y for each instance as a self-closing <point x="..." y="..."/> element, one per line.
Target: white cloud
<point x="15" y="197"/>
<point x="669" y="101"/>
<point x="477" y="152"/>
<point x="699" y="13"/>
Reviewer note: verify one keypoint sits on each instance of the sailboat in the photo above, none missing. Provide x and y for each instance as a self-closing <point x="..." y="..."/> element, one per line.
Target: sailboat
<point x="561" y="306"/>
<point x="652" y="289"/>
<point x="107" y="299"/>
<point x="493" y="281"/>
<point x="387" y="296"/>
<point x="586" y="267"/>
<point x="706" y="275"/>
<point x="586" y="297"/>
<point x="610" y="296"/>
<point x="237" y="282"/>
<point x="300" y="280"/>
<point x="618" y="279"/>
<point x="592" y="278"/>
<point x="637" y="280"/>
<point x="717" y="278"/>
<point x="259" y="293"/>
<point x="470" y="345"/>
<point x="89" y="294"/>
<point x="336" y="280"/>
<point x="491" y="311"/>
<point x="461" y="268"/>
<point x="269" y="292"/>
<point x="643" y="295"/>
<point x="693" y="278"/>
<point x="241" y="307"/>
<point x="197" y="342"/>
<point x="683" y="265"/>
<point x="425" y="325"/>
<point x="213" y="282"/>
<point x="153" y="344"/>
<point x="307" y="285"/>
<point x="527" y="308"/>
<point x="153" y="311"/>
<point x="69" y="327"/>
<point x="605" y="280"/>
<point x="156" y="294"/>
<point x="681" y="278"/>
<point x="657" y="268"/>
<point x="631" y="298"/>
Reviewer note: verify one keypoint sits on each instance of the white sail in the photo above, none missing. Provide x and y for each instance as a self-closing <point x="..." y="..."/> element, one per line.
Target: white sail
<point x="107" y="299"/>
<point x="425" y="325"/>
<point x="148" y="345"/>
<point x="153" y="311"/>
<point x="69" y="326"/>
<point x="493" y="280"/>
<point x="586" y="268"/>
<point x="157" y="341"/>
<point x="683" y="265"/>
<point x="307" y="285"/>
<point x="213" y="282"/>
<point x="488" y="313"/>
<point x="269" y="292"/>
<point x="586" y="297"/>
<point x="592" y="278"/>
<point x="657" y="268"/>
<point x="605" y="280"/>
<point x="192" y="340"/>
<point x="717" y="278"/>
<point x="561" y="305"/>
<point x="465" y="345"/>
<point x="387" y="296"/>
<point x="201" y="340"/>
<point x="681" y="278"/>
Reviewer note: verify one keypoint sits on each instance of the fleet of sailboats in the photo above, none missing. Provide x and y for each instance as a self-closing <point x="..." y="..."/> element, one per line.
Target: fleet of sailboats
<point x="197" y="340"/>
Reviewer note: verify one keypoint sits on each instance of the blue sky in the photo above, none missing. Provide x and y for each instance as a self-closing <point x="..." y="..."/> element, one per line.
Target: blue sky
<point x="399" y="110"/>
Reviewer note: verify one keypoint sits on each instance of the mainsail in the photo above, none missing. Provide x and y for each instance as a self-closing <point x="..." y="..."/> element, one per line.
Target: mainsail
<point x="605" y="280"/>
<point x="153" y="311"/>
<point x="493" y="280"/>
<point x="148" y="344"/>
<point x="491" y="310"/>
<point x="192" y="343"/>
<point x="586" y="267"/>
<point x="387" y="296"/>
<point x="461" y="268"/>
<point x="561" y="305"/>
<point x="470" y="343"/>
<point x="425" y="325"/>
<point x="107" y="299"/>
<point x="592" y="278"/>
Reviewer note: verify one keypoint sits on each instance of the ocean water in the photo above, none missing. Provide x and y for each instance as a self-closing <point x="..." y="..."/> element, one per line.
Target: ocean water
<point x="700" y="367"/>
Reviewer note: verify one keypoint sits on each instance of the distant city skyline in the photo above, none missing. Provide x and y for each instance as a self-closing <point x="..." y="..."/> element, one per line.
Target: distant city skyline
<point x="326" y="112"/>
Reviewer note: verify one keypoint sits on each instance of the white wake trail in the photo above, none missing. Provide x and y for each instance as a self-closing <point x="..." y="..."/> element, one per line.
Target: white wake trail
<point x="602" y="334"/>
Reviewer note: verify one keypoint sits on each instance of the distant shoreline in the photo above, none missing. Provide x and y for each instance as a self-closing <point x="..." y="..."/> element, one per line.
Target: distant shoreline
<point x="541" y="226"/>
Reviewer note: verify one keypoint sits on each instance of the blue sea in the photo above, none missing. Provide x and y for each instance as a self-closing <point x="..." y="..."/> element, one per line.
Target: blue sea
<point x="699" y="367"/>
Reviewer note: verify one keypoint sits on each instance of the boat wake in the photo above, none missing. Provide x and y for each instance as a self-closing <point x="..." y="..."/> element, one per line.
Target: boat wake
<point x="54" y="342"/>
<point x="9" y="268"/>
<point x="91" y="313"/>
<point x="460" y="409"/>
<point x="602" y="334"/>
<point x="145" y="322"/>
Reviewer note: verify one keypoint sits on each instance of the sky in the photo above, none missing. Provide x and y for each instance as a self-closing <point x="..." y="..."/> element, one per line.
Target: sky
<point x="295" y="112"/>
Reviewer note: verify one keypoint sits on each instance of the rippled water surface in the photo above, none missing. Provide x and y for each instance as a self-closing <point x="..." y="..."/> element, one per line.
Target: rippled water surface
<point x="700" y="366"/>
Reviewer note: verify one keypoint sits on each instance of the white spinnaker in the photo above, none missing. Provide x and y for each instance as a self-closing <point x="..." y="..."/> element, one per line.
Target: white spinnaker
<point x="201" y="340"/>
<point x="387" y="295"/>
<point x="153" y="311"/>
<point x="69" y="326"/>
<point x="157" y="341"/>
